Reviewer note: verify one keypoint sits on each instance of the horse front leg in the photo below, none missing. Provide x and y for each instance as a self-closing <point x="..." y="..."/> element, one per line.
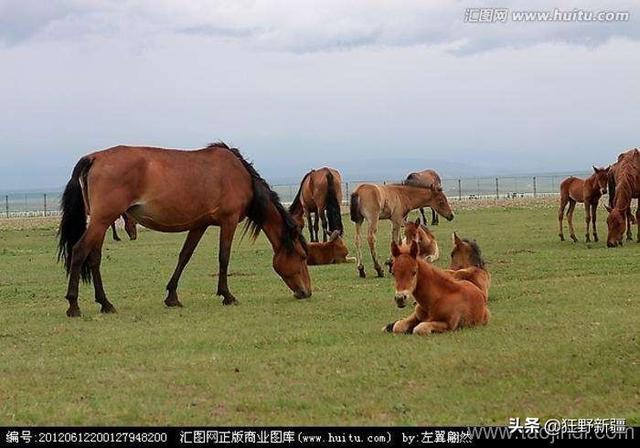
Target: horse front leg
<point x="401" y="326"/>
<point x="435" y="220"/>
<point x="587" y="218"/>
<point x="227" y="230"/>
<point x="572" y="233"/>
<point x="594" y="230"/>
<point x="395" y="236"/>
<point x="193" y="238"/>
<point x="429" y="327"/>
<point x="563" y="205"/>
<point x="310" y="223"/>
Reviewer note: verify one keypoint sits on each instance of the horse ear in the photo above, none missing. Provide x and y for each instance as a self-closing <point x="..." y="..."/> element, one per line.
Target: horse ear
<point x="607" y="208"/>
<point x="414" y="249"/>
<point x="395" y="250"/>
<point x="595" y="169"/>
<point x="456" y="239"/>
<point x="334" y="236"/>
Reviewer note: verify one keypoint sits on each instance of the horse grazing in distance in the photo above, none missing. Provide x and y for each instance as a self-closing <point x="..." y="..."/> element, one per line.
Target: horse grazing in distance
<point x="394" y="201"/>
<point x="427" y="244"/>
<point x="624" y="185"/>
<point x="173" y="191"/>
<point x="428" y="178"/>
<point x="588" y="191"/>
<point x="332" y="252"/>
<point x="129" y="227"/>
<point x="320" y="193"/>
<point x="444" y="303"/>
<point x="467" y="263"/>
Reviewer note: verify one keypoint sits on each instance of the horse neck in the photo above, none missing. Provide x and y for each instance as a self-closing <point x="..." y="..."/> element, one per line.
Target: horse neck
<point x="623" y="192"/>
<point x="273" y="227"/>
<point x="416" y="197"/>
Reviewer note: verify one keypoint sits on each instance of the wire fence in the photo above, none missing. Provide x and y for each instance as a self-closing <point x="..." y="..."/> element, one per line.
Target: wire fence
<point x="33" y="204"/>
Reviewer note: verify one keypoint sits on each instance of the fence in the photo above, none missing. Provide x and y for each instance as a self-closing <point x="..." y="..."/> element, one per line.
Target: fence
<point x="48" y="204"/>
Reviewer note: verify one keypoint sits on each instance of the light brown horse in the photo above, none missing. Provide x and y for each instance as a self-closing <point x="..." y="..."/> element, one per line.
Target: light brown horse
<point x="320" y="194"/>
<point x="374" y="202"/>
<point x="129" y="227"/>
<point x="587" y="191"/>
<point x="444" y="303"/>
<point x="173" y="191"/>
<point x="467" y="263"/>
<point x="624" y="185"/>
<point x="428" y="178"/>
<point x="427" y="243"/>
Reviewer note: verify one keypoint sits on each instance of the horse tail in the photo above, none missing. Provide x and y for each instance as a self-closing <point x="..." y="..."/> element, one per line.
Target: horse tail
<point x="354" y="209"/>
<point x="297" y="201"/>
<point x="333" y="205"/>
<point x="74" y="217"/>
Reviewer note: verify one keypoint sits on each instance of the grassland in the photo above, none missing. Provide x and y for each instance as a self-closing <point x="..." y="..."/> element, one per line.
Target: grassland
<point x="563" y="340"/>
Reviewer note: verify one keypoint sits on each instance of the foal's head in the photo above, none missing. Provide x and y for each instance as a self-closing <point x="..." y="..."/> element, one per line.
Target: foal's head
<point x="602" y="178"/>
<point x="405" y="271"/>
<point x="440" y="203"/>
<point x="616" y="223"/>
<point x="465" y="254"/>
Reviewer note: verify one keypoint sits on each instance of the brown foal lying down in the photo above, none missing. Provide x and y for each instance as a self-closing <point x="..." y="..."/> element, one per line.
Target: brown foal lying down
<point x="444" y="303"/>
<point x="467" y="263"/>
<point x="332" y="252"/>
<point x="427" y="244"/>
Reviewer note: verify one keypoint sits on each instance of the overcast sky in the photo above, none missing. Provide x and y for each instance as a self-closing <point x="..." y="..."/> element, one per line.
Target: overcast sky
<point x="302" y="84"/>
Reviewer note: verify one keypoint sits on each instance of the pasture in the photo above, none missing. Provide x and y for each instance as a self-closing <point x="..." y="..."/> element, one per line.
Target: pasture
<point x="562" y="342"/>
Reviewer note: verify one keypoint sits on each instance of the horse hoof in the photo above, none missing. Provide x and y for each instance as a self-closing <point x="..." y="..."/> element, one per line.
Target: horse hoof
<point x="171" y="302"/>
<point x="561" y="237"/>
<point x="573" y="237"/>
<point x="388" y="328"/>
<point x="229" y="301"/>
<point x="380" y="273"/>
<point x="361" y="273"/>
<point x="108" y="309"/>
<point x="588" y="240"/>
<point x="595" y="238"/>
<point x="74" y="312"/>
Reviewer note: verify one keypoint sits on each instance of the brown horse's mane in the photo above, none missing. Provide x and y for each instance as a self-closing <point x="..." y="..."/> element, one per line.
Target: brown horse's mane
<point x="476" y="253"/>
<point x="412" y="182"/>
<point x="263" y="195"/>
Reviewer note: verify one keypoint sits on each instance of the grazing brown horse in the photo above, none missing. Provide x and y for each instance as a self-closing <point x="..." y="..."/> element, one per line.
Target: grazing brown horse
<point x="173" y="191"/>
<point x="374" y="202"/>
<point x="467" y="263"/>
<point x="428" y="178"/>
<point x="444" y="303"/>
<point x="129" y="227"/>
<point x="332" y="252"/>
<point x="587" y="191"/>
<point x="624" y="185"/>
<point x="320" y="193"/>
<point x="427" y="244"/>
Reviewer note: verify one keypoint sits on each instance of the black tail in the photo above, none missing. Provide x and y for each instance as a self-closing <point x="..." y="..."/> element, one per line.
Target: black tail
<point x="333" y="206"/>
<point x="74" y="217"/>
<point x="297" y="202"/>
<point x="354" y="209"/>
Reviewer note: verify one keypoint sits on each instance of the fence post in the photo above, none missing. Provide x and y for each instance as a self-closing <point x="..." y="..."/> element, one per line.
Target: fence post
<point x="6" y="204"/>
<point x="497" y="190"/>
<point x="535" y="188"/>
<point x="459" y="190"/>
<point x="45" y="204"/>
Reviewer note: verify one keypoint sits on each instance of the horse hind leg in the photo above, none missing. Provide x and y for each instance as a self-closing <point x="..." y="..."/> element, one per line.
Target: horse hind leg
<point x="114" y="233"/>
<point x="587" y="218"/>
<point x="323" y="218"/>
<point x="572" y="206"/>
<point x="371" y="239"/>
<point x="425" y="328"/>
<point x="358" y="241"/>
<point x="94" y="260"/>
<point x="435" y="220"/>
<point x="563" y="204"/>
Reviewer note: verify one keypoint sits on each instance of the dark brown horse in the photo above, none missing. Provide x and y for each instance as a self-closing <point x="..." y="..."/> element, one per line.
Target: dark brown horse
<point x="173" y="191"/>
<point x="129" y="227"/>
<point x="588" y="191"/>
<point x="624" y="185"/>
<point x="320" y="194"/>
<point x="428" y="178"/>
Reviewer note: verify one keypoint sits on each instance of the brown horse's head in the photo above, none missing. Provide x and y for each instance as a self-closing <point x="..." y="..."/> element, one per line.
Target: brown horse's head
<point x="411" y="230"/>
<point x="338" y="248"/>
<point x="602" y="178"/>
<point x="290" y="262"/>
<point x="440" y="203"/>
<point x="405" y="271"/>
<point x="616" y="223"/>
<point x="465" y="254"/>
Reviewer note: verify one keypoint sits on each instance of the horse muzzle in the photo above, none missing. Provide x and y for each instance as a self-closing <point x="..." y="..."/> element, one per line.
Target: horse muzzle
<point x="302" y="294"/>
<point x="450" y="217"/>
<point x="401" y="299"/>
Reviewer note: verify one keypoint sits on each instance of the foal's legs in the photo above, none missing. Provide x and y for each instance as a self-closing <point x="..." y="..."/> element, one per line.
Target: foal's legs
<point x="587" y="218"/>
<point x="564" y="199"/>
<point x="323" y="217"/>
<point x="90" y="241"/>
<point x="594" y="230"/>
<point x="113" y="231"/>
<point x="371" y="238"/>
<point x="193" y="238"/>
<point x="431" y="327"/>
<point x="572" y="206"/>
<point x="358" y="238"/>
<point x="227" y="230"/>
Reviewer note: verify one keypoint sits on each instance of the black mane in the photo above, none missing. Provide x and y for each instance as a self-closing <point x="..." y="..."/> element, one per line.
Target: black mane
<point x="476" y="253"/>
<point x="297" y="202"/>
<point x="263" y="195"/>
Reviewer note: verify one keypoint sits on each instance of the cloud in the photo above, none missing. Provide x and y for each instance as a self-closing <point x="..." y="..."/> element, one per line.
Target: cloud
<point x="306" y="26"/>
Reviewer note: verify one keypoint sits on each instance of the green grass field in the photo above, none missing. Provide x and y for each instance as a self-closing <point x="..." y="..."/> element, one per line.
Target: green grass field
<point x="563" y="340"/>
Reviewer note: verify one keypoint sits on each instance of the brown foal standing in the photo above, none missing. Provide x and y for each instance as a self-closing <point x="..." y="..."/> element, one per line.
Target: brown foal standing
<point x="173" y="191"/>
<point x="394" y="201"/>
<point x="444" y="303"/>
<point x="587" y="191"/>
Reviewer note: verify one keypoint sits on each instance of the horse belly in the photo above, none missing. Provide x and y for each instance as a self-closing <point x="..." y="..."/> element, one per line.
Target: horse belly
<point x="155" y="217"/>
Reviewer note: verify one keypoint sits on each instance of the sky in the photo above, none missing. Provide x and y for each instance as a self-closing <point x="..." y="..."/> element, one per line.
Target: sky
<point x="365" y="85"/>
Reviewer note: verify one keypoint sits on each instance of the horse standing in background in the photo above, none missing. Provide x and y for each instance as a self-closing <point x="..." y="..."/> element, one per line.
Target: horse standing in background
<point x="320" y="193"/>
<point x="129" y="227"/>
<point x="624" y="185"/>
<point x="394" y="201"/>
<point x="173" y="191"/>
<point x="587" y="191"/>
<point x="428" y="178"/>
